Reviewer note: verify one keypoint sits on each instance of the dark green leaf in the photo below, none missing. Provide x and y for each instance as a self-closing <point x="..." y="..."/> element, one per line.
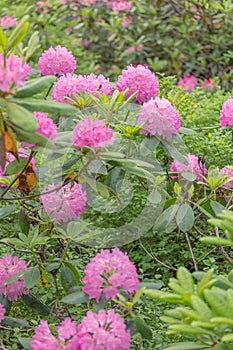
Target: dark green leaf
<point x="185" y="217"/>
<point x="20" y="117"/>
<point x="7" y="210"/>
<point x="36" y="305"/>
<point x="25" y="342"/>
<point x="77" y="297"/>
<point x="142" y="328"/>
<point x="14" y="322"/>
<point x="23" y="222"/>
<point x="46" y="106"/>
<point x="36" y="86"/>
<point x="16" y="166"/>
<point x="31" y="277"/>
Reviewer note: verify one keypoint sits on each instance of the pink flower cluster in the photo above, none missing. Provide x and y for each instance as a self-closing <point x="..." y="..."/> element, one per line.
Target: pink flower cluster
<point x="14" y="72"/>
<point x="57" y="61"/>
<point x="121" y="5"/>
<point x="116" y="6"/>
<point x="91" y="133"/>
<point x="102" y="331"/>
<point x="187" y="82"/>
<point x="46" y="127"/>
<point x="65" y="203"/>
<point x="9" y="266"/>
<point x="229" y="174"/>
<point x="69" y="84"/>
<point x="140" y="79"/>
<point x="8" y="22"/>
<point x="2" y="312"/>
<point x="226" y="113"/>
<point x="109" y="273"/>
<point x="160" y="118"/>
<point x="43" y="6"/>
<point x="194" y="166"/>
<point x="208" y="84"/>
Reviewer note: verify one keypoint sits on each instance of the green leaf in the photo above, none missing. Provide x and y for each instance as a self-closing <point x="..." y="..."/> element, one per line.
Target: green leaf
<point x="185" y="217"/>
<point x="216" y="241"/>
<point x="142" y="328"/>
<point x="3" y="39"/>
<point x="182" y="328"/>
<point x="14" y="322"/>
<point x="36" y="86"/>
<point x="173" y="151"/>
<point x="186" y="346"/>
<point x="36" y="305"/>
<point x="217" y="303"/>
<point x="21" y="117"/>
<point x="23" y="222"/>
<point x="5" y="302"/>
<point x="33" y="45"/>
<point x="185" y="279"/>
<point x="25" y="342"/>
<point x="18" y="33"/>
<point x="46" y="106"/>
<point x="68" y="277"/>
<point x="31" y="277"/>
<point x="7" y="210"/>
<point x="201" y="307"/>
<point x="150" y="285"/>
<point x="148" y="145"/>
<point x="77" y="297"/>
<point x="16" y="166"/>
<point x="32" y="138"/>
<point x="217" y="207"/>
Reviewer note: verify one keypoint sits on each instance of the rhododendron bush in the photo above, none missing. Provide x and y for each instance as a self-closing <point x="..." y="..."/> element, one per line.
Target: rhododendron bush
<point x="75" y="152"/>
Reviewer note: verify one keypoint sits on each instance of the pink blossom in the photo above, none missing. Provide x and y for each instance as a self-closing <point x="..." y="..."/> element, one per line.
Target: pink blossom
<point x="8" y="22"/>
<point x="43" y="6"/>
<point x="229" y="174"/>
<point x="56" y="62"/>
<point x="46" y="127"/>
<point x="9" y="266"/>
<point x="194" y="166"/>
<point x="69" y="84"/>
<point x="14" y="72"/>
<point x="126" y="21"/>
<point x="159" y="117"/>
<point x="140" y="79"/>
<point x="103" y="331"/>
<point x="92" y="133"/>
<point x="208" y="84"/>
<point x="85" y="42"/>
<point x="109" y="273"/>
<point x="187" y="82"/>
<point x="2" y="312"/>
<point x="65" y="203"/>
<point x="44" y="340"/>
<point x="226" y="113"/>
<point x="121" y="5"/>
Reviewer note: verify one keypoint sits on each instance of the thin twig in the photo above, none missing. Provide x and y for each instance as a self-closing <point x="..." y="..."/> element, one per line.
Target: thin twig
<point x="191" y="251"/>
<point x="170" y="267"/>
<point x="224" y="253"/>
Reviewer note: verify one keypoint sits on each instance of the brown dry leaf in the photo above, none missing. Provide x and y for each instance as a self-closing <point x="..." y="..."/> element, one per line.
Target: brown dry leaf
<point x="27" y="180"/>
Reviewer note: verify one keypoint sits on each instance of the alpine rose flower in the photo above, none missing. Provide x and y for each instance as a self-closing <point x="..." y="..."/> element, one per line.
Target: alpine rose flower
<point x="208" y="84"/>
<point x="69" y="84"/>
<point x="194" y="166"/>
<point x="140" y="79"/>
<point x="160" y="118"/>
<point x="103" y="331"/>
<point x="187" y="82"/>
<point x="9" y="266"/>
<point x="15" y="72"/>
<point x="92" y="133"/>
<point x="229" y="173"/>
<point x="65" y="203"/>
<point x="2" y="312"/>
<point x="46" y="127"/>
<point x="8" y="22"/>
<point x="44" y="340"/>
<point x="56" y="62"/>
<point x="109" y="273"/>
<point x="226" y="113"/>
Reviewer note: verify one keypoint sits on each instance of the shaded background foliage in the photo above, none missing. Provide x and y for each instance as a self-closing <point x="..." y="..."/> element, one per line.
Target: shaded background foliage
<point x="172" y="37"/>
